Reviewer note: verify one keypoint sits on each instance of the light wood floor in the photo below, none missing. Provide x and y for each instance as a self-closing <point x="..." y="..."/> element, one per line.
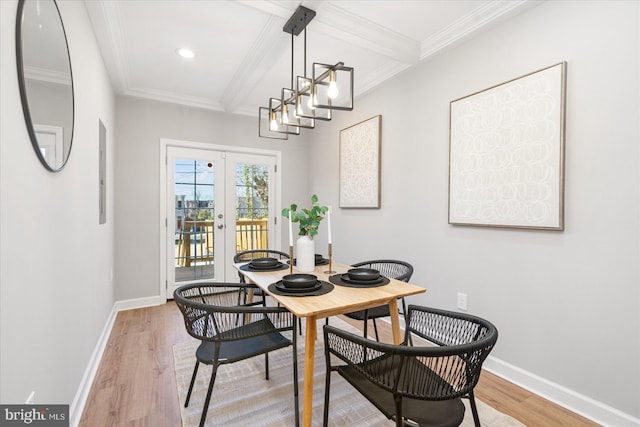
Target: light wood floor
<point x="135" y="383"/>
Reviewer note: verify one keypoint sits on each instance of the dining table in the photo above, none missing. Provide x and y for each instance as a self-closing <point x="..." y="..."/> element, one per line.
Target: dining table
<point x="340" y="300"/>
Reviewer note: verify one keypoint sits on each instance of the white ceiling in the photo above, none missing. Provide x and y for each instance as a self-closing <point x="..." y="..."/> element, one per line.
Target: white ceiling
<point x="243" y="56"/>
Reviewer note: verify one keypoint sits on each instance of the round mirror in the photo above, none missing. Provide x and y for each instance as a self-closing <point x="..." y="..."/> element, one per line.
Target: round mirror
<point x="45" y="79"/>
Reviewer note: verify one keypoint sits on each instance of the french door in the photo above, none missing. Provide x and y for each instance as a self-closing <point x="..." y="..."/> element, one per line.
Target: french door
<point x="218" y="203"/>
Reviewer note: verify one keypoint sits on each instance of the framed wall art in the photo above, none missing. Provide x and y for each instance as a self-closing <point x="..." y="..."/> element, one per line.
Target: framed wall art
<point x="360" y="164"/>
<point x="506" y="153"/>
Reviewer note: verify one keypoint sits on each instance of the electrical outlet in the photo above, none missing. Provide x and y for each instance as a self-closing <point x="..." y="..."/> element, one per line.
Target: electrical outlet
<point x="462" y="301"/>
<point x="31" y="399"/>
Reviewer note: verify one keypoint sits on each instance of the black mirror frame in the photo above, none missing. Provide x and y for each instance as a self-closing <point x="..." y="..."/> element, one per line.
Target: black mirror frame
<point x="23" y="88"/>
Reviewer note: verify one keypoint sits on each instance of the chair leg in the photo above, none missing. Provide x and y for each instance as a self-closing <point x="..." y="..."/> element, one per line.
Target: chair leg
<point x="208" y="399"/>
<point x="193" y="380"/>
<point x="398" y="403"/>
<point x="266" y="366"/>
<point x="375" y="328"/>
<point x="296" y="402"/>
<point x="366" y="322"/>
<point x="327" y="388"/>
<point x="474" y="409"/>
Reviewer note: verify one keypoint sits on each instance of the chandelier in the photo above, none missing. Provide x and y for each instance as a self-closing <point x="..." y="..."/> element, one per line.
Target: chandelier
<point x="329" y="88"/>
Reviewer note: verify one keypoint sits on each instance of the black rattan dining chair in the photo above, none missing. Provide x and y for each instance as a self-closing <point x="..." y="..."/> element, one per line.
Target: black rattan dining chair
<point x="230" y="332"/>
<point x="415" y="385"/>
<point x="246" y="256"/>
<point x="399" y="270"/>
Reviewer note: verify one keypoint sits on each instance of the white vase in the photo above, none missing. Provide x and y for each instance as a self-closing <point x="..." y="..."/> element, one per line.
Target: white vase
<point x="305" y="254"/>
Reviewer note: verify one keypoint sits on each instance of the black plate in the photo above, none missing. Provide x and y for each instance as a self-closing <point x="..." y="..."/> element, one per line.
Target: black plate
<point x="263" y="262"/>
<point x="270" y="267"/>
<point x="282" y="288"/>
<point x="363" y="274"/>
<point x="345" y="278"/>
<point x="303" y="281"/>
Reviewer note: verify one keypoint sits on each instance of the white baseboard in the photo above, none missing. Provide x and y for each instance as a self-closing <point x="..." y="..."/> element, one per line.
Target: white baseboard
<point x="77" y="406"/>
<point x="80" y="399"/>
<point x="575" y="402"/>
<point x="131" y="304"/>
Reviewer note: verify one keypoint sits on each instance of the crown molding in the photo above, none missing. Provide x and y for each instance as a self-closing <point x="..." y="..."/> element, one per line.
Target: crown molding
<point x="49" y="76"/>
<point x="174" y="98"/>
<point x="105" y="17"/>
<point x="471" y="23"/>
<point x="246" y="110"/>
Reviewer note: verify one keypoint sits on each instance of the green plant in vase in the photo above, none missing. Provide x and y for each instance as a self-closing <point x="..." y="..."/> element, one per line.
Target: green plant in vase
<point x="309" y="219"/>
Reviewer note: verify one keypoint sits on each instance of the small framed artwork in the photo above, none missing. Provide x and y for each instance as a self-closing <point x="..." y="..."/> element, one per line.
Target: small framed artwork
<point x="506" y="153"/>
<point x="360" y="148"/>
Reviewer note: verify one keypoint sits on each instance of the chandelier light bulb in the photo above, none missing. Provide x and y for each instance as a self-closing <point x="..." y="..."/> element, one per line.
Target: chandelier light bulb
<point x="313" y="98"/>
<point x="299" y="105"/>
<point x="332" y="91"/>
<point x="273" y="124"/>
<point x="290" y="115"/>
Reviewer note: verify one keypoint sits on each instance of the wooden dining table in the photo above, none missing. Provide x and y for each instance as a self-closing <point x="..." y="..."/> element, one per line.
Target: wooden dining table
<point x="340" y="300"/>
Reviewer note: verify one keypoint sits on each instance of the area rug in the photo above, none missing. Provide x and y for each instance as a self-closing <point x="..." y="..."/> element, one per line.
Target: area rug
<point x="242" y="397"/>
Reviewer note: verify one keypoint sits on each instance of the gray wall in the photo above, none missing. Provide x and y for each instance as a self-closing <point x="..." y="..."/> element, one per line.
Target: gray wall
<point x="56" y="291"/>
<point x="566" y="303"/>
<point x="139" y="126"/>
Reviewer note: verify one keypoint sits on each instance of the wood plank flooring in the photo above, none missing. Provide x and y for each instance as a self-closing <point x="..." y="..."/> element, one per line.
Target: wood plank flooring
<point x="135" y="383"/>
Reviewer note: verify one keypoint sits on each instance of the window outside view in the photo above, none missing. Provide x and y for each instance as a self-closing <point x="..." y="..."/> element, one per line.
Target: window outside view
<point x="196" y="214"/>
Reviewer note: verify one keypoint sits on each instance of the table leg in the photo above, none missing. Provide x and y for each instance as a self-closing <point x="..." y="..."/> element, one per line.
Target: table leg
<point x="309" y="347"/>
<point x="395" y="322"/>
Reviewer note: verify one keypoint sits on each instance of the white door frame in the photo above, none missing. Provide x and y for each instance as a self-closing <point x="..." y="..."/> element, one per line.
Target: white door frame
<point x="166" y="142"/>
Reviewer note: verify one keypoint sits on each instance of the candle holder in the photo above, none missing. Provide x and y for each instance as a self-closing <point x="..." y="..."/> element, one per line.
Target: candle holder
<point x="290" y="259"/>
<point x="330" y="251"/>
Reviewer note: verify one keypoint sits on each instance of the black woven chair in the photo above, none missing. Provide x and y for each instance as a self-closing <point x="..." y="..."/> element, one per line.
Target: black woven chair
<point x="230" y="332"/>
<point x="246" y="256"/>
<point x="399" y="270"/>
<point x="415" y="385"/>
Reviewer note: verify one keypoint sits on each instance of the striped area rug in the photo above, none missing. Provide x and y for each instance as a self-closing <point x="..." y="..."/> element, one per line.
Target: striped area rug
<point x="242" y="397"/>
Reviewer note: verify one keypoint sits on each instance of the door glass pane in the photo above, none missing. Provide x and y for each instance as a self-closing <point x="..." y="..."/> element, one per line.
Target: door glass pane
<point x="194" y="218"/>
<point x="252" y="207"/>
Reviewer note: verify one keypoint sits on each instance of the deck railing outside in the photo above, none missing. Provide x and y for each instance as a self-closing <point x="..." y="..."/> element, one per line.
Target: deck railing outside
<point x="194" y="243"/>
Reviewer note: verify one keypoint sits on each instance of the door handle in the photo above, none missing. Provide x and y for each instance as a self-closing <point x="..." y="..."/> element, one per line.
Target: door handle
<point x="220" y="226"/>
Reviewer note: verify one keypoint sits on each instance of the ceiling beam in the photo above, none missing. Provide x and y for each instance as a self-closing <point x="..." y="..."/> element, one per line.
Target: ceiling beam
<point x="264" y="53"/>
<point x="334" y="21"/>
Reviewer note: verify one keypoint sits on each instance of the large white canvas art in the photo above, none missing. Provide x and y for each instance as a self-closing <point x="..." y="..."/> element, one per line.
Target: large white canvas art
<point x="360" y="165"/>
<point x="506" y="153"/>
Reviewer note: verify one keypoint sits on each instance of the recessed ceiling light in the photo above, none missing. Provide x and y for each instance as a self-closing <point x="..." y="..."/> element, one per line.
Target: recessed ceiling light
<point x="185" y="53"/>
